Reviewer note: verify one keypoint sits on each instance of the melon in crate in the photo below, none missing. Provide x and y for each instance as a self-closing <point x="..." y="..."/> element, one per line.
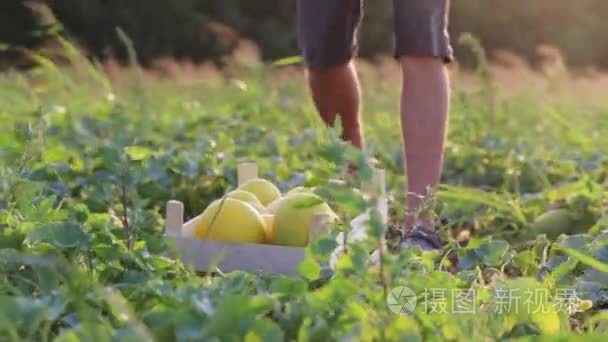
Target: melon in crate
<point x="293" y="217"/>
<point x="229" y="220"/>
<point x="238" y="240"/>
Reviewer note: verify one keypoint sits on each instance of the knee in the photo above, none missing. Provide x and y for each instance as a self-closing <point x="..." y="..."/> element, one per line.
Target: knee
<point x="326" y="66"/>
<point x="421" y="64"/>
<point x="330" y="70"/>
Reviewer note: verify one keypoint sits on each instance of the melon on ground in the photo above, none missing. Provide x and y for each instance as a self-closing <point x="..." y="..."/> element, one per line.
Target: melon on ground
<point x="554" y="223"/>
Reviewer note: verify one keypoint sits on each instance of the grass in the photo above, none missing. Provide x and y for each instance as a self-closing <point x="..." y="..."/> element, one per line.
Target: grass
<point x="89" y="158"/>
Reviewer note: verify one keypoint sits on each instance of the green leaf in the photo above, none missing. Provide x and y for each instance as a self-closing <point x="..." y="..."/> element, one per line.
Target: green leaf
<point x="600" y="322"/>
<point x="349" y="200"/>
<point x="488" y="253"/>
<point x="127" y="335"/>
<point x="526" y="261"/>
<point x="577" y="242"/>
<point x="68" y="336"/>
<point x="93" y="332"/>
<point x="304" y="203"/>
<point x="592" y="290"/>
<point x="309" y="269"/>
<point x="162" y="322"/>
<point x="236" y="314"/>
<point x="161" y="263"/>
<point x="11" y="238"/>
<point x="376" y="226"/>
<point x="80" y="212"/>
<point x="601" y="254"/>
<point x="324" y="246"/>
<point x="585" y="259"/>
<point x="47" y="278"/>
<point x="56" y="304"/>
<point x="137" y="152"/>
<point x="345" y="263"/>
<point x="403" y="328"/>
<point x="288" y="61"/>
<point x="264" y="330"/>
<point x="23" y="313"/>
<point x="591" y="274"/>
<point x="288" y="286"/>
<point x="62" y="235"/>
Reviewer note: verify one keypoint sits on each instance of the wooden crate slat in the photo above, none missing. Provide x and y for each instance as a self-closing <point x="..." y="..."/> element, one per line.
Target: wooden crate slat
<point x="246" y="171"/>
<point x="175" y="218"/>
<point x="245" y="257"/>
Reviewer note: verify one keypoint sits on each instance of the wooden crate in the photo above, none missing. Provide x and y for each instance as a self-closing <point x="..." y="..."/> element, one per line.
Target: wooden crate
<point x="205" y="254"/>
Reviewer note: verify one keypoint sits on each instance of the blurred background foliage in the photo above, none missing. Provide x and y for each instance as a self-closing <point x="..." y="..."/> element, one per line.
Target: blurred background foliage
<point x="209" y="29"/>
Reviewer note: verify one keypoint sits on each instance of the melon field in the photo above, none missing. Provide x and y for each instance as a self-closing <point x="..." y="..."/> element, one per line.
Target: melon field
<point x="89" y="158"/>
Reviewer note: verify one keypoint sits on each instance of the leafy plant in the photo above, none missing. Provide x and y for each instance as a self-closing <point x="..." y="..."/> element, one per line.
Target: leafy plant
<point x="86" y="166"/>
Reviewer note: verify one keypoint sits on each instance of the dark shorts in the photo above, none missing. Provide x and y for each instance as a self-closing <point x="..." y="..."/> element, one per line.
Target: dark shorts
<point x="327" y="30"/>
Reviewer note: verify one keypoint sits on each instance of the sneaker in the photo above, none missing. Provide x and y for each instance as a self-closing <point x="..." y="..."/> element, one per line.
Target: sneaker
<point x="422" y="237"/>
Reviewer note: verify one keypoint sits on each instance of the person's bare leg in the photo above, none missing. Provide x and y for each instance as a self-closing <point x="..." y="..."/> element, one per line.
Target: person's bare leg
<point x="424" y="120"/>
<point x="336" y="91"/>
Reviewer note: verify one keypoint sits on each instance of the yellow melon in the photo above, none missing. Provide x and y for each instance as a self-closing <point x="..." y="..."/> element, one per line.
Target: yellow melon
<point x="299" y="189"/>
<point x="269" y="224"/>
<point x="248" y="198"/>
<point x="264" y="190"/>
<point x="230" y="220"/>
<point x="294" y="215"/>
<point x="274" y="205"/>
